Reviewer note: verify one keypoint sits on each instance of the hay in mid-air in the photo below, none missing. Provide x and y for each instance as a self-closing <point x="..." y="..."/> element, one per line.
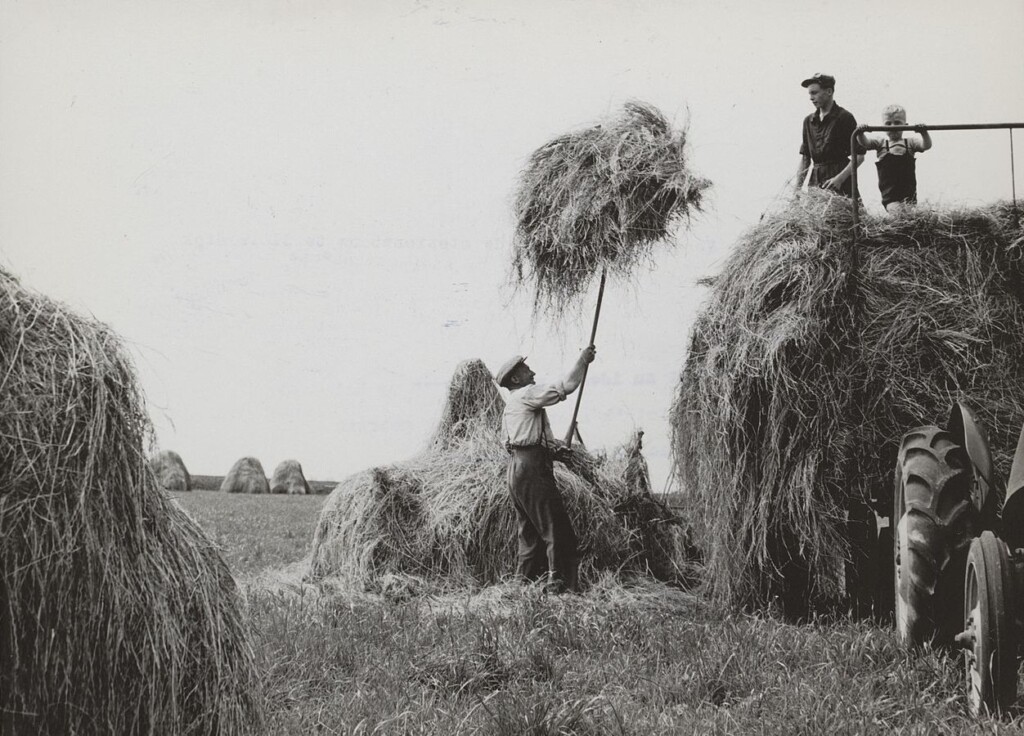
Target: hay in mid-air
<point x="117" y="613"/>
<point x="600" y="198"/>
<point x="445" y="514"/>
<point x="807" y="365"/>
<point x="245" y="476"/>
<point x="171" y="473"/>
<point x="288" y="478"/>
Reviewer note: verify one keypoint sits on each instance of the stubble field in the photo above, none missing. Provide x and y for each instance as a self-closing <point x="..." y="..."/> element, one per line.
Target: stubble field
<point x="635" y="658"/>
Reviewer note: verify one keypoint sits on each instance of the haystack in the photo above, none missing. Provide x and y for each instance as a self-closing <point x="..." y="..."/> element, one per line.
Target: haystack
<point x="117" y="614"/>
<point x="806" y="366"/>
<point x="445" y="514"/>
<point x="288" y="478"/>
<point x="170" y="471"/>
<point x="245" y="476"/>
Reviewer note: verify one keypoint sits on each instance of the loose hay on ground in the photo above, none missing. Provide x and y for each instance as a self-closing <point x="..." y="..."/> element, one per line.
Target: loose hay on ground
<point x="805" y="368"/>
<point x="445" y="514"/>
<point x="117" y="615"/>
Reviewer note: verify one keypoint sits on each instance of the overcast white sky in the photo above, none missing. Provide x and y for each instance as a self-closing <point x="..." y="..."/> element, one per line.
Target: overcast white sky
<point x="298" y="214"/>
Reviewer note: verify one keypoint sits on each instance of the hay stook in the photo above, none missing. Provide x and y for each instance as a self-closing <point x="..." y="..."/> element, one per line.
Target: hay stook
<point x="599" y="199"/>
<point x="445" y="514"/>
<point x="805" y="368"/>
<point x="245" y="476"/>
<point x="117" y="613"/>
<point x="170" y="471"/>
<point x="288" y="478"/>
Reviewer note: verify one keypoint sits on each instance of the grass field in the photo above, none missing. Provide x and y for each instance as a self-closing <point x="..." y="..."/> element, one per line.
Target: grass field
<point x="621" y="659"/>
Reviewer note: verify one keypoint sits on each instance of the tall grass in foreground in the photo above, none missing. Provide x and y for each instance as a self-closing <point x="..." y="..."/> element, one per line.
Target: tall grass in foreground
<point x="646" y="660"/>
<point x="642" y="660"/>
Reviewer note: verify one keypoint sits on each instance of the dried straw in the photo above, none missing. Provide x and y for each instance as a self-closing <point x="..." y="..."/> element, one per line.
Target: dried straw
<point x="805" y="369"/>
<point x="117" y="614"/>
<point x="445" y="514"/>
<point x="598" y="198"/>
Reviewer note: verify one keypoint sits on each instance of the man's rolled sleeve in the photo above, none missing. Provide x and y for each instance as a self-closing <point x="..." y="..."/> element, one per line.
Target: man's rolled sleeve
<point x="545" y="394"/>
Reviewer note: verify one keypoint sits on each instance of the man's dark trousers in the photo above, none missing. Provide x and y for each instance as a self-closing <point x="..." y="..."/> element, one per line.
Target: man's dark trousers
<point x="547" y="541"/>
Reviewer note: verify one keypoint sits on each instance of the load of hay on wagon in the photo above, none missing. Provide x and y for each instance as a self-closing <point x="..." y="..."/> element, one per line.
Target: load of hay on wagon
<point x="806" y="366"/>
<point x="117" y="614"/>
<point x="445" y="514"/>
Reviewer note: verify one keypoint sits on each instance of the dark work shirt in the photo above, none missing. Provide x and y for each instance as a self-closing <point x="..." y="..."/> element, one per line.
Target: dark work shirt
<point x="828" y="141"/>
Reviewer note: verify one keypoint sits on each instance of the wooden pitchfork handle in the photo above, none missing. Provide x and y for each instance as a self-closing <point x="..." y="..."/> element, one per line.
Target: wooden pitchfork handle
<point x="583" y="382"/>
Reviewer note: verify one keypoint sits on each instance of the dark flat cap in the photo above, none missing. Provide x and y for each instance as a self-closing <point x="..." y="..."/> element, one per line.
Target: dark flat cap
<point x="825" y="80"/>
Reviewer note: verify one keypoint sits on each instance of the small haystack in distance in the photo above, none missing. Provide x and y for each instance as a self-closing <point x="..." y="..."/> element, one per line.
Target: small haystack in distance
<point x="288" y="478"/>
<point x="600" y="198"/>
<point x="806" y="367"/>
<point x="445" y="514"/>
<point x="245" y="476"/>
<point x="117" y="613"/>
<point x="170" y="471"/>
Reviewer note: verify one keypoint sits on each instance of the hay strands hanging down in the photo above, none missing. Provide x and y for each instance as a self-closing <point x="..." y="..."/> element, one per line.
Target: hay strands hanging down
<point x="598" y="200"/>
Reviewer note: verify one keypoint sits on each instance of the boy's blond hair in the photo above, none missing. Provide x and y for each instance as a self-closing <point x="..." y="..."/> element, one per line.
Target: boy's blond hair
<point x="893" y="109"/>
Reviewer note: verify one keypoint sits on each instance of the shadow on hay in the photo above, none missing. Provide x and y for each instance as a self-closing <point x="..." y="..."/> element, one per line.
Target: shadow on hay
<point x="445" y="514"/>
<point x="805" y="368"/>
<point x="117" y="614"/>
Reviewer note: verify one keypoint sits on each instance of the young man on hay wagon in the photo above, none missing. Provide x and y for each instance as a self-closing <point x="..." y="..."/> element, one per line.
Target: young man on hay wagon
<point x="547" y="541"/>
<point x="825" y="149"/>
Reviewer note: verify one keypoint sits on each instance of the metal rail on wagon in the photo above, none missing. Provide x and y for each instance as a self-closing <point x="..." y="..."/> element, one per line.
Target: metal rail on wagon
<point x="963" y="126"/>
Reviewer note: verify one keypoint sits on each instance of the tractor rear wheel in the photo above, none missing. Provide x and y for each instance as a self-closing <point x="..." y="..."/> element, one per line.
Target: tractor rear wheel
<point x="934" y="522"/>
<point x="990" y="648"/>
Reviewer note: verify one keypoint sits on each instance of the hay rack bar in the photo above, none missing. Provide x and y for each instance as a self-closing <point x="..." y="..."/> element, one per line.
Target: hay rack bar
<point x="929" y="128"/>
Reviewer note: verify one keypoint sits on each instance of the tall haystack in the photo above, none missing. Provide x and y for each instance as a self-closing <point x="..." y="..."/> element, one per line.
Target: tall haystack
<point x="807" y="365"/>
<point x="245" y="476"/>
<point x="446" y="515"/>
<point x="170" y="471"/>
<point x="473" y="397"/>
<point x="288" y="478"/>
<point x="117" y="613"/>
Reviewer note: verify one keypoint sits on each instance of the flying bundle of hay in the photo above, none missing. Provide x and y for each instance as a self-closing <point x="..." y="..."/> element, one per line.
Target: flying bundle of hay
<point x="806" y="367"/>
<point x="245" y="476"/>
<point x="446" y="515"/>
<point x="117" y="614"/>
<point x="288" y="478"/>
<point x="170" y="471"/>
<point x="600" y="198"/>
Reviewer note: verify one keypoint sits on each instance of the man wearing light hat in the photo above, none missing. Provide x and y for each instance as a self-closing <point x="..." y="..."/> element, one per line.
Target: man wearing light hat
<point x="547" y="542"/>
<point x="825" y="149"/>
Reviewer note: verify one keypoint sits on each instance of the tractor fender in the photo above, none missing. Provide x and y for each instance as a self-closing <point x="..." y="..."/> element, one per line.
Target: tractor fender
<point x="1013" y="506"/>
<point x="970" y="434"/>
